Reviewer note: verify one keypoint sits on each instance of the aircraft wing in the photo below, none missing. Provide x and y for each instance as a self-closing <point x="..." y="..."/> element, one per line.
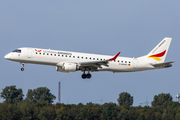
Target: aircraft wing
<point x="98" y="63"/>
<point x="163" y="65"/>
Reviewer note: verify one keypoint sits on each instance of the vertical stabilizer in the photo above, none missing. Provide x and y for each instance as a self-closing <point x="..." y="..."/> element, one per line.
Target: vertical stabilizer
<point x="158" y="54"/>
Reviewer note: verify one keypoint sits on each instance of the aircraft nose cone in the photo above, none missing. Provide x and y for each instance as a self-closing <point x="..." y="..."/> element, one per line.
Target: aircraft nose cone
<point x="7" y="56"/>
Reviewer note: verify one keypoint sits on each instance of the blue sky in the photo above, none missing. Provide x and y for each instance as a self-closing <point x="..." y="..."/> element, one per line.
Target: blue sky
<point x="133" y="28"/>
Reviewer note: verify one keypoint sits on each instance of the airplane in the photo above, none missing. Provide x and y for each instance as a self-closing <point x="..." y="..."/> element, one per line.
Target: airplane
<point x="66" y="61"/>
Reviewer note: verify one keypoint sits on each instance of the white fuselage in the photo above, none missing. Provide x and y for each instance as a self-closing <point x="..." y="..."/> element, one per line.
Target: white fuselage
<point x="53" y="57"/>
<point x="66" y="61"/>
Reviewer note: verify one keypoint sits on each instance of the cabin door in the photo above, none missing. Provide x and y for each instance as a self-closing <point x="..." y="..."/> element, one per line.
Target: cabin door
<point x="29" y="52"/>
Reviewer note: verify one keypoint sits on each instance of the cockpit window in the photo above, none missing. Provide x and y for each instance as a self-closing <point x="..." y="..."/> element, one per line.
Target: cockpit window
<point x="17" y="50"/>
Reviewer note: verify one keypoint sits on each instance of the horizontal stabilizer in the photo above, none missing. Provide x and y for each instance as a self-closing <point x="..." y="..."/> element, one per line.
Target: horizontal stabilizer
<point x="163" y="65"/>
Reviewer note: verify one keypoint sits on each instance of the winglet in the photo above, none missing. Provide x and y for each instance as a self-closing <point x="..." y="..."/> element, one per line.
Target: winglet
<point x="114" y="58"/>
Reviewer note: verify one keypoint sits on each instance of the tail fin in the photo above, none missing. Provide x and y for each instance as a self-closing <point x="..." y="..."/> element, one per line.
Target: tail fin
<point x="158" y="54"/>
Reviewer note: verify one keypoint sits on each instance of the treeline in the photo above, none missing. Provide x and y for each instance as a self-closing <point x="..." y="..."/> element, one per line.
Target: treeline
<point x="38" y="106"/>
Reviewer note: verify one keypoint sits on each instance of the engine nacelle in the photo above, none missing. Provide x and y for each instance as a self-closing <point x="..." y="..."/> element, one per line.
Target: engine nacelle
<point x="59" y="69"/>
<point x="68" y="67"/>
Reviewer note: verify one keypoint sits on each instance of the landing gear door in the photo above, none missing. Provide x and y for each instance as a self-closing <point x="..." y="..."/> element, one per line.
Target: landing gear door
<point x="29" y="52"/>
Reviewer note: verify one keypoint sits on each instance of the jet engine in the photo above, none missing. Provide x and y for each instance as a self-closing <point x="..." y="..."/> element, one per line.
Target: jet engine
<point x="68" y="67"/>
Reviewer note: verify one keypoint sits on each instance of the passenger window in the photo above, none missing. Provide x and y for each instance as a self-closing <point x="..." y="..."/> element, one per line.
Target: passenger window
<point x="97" y="59"/>
<point x="125" y="61"/>
<point x="69" y="56"/>
<point x="51" y="54"/>
<point x="58" y="55"/>
<point x="86" y="57"/>
<point x="36" y="53"/>
<point x="129" y="62"/>
<point x="101" y="59"/>
<point x="47" y="53"/>
<point x="82" y="57"/>
<point x="122" y="61"/>
<point x="62" y="55"/>
<point x="66" y="55"/>
<point x="40" y="53"/>
<point x="43" y="53"/>
<point x="93" y="58"/>
<point x="54" y="54"/>
<point x="78" y="56"/>
<point x="114" y="60"/>
<point x="90" y="58"/>
<point x="118" y="60"/>
<point x="73" y="56"/>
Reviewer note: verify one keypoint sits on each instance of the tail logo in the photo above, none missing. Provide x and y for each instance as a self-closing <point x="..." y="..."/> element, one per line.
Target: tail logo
<point x="156" y="56"/>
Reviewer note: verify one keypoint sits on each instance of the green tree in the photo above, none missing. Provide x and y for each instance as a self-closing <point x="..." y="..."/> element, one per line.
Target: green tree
<point x="125" y="99"/>
<point x="12" y="95"/>
<point x="85" y="113"/>
<point x="36" y="112"/>
<point x="140" y="117"/>
<point x="173" y="105"/>
<point x="157" y="116"/>
<point x="96" y="109"/>
<point x="109" y="111"/>
<point x="62" y="114"/>
<point x="123" y="114"/>
<point x="177" y="117"/>
<point x="133" y="113"/>
<point x="161" y="100"/>
<point x="27" y="110"/>
<point x="47" y="113"/>
<point x="9" y="112"/>
<point x="40" y="95"/>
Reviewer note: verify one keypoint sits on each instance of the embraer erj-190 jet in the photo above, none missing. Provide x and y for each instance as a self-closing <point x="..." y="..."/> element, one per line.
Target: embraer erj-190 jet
<point x="74" y="61"/>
